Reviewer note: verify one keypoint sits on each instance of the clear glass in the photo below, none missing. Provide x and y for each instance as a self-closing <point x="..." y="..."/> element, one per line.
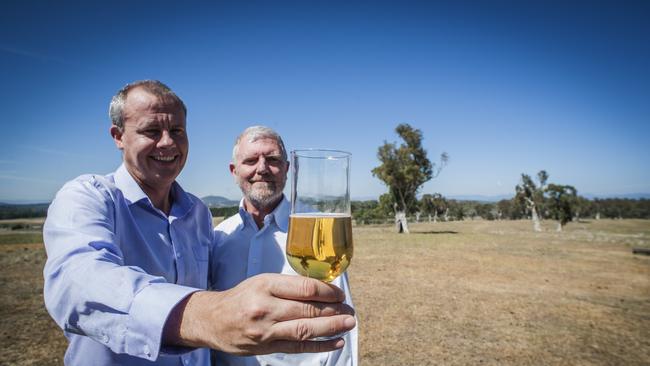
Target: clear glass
<point x="319" y="244"/>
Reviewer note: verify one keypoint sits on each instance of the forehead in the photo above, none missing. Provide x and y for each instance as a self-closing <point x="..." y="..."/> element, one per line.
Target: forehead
<point x="139" y="102"/>
<point x="262" y="146"/>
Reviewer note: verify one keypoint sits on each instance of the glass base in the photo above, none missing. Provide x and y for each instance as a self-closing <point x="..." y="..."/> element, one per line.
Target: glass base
<point x="329" y="338"/>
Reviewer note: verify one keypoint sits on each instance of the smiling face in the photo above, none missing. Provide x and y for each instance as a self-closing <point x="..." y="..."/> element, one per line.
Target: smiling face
<point x="260" y="171"/>
<point x="153" y="140"/>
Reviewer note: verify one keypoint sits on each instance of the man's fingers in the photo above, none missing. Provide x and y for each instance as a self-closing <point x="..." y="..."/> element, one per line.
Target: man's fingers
<point x="308" y="346"/>
<point x="305" y="329"/>
<point x="297" y="309"/>
<point x="304" y="289"/>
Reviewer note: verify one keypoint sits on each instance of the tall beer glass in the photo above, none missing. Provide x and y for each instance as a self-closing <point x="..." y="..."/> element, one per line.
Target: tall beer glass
<point x="319" y="244"/>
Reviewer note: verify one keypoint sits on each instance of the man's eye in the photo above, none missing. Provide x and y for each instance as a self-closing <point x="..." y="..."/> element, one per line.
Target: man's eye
<point x="178" y="131"/>
<point x="151" y="132"/>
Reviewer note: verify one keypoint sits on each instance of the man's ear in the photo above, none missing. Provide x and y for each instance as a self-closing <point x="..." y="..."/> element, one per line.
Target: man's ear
<point x="116" y="133"/>
<point x="231" y="166"/>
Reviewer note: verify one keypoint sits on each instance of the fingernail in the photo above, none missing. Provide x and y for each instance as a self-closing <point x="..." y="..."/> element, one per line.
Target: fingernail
<point x="350" y="322"/>
<point x="339" y="344"/>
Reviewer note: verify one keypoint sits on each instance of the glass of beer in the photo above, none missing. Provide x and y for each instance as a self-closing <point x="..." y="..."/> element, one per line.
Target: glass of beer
<point x="319" y="244"/>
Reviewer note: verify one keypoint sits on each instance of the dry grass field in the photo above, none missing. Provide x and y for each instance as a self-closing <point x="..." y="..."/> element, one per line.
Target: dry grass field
<point x="457" y="293"/>
<point x="496" y="293"/>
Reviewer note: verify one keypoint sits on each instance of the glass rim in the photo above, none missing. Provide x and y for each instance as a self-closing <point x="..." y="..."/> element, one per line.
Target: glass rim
<point x="326" y="153"/>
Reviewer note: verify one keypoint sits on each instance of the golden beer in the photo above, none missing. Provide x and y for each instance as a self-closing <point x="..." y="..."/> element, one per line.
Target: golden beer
<point x="320" y="245"/>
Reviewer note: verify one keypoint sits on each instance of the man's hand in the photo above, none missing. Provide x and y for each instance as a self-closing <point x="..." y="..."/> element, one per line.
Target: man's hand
<point x="264" y="314"/>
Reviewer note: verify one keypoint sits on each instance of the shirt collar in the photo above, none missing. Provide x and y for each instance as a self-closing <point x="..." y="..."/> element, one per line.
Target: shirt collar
<point x="181" y="202"/>
<point x="129" y="187"/>
<point x="280" y="214"/>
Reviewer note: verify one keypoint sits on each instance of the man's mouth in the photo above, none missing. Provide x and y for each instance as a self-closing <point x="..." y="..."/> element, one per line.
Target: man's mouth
<point x="165" y="159"/>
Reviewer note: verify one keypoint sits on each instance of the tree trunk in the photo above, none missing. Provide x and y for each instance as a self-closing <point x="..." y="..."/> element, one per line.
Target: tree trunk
<point x="435" y="216"/>
<point x="536" y="224"/>
<point x="597" y="215"/>
<point x="400" y="222"/>
<point x="446" y="215"/>
<point x="417" y="216"/>
<point x="559" y="227"/>
<point x="533" y="214"/>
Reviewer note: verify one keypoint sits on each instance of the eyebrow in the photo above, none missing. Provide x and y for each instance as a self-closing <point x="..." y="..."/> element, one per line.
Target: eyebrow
<point x="255" y="157"/>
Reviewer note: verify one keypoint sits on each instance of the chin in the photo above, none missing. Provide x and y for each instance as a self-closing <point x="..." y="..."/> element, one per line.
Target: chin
<point x="263" y="199"/>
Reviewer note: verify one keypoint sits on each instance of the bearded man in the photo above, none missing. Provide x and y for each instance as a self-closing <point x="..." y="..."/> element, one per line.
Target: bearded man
<point x="253" y="241"/>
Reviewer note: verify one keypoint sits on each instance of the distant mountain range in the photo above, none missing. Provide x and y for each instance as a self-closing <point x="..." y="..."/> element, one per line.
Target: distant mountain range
<point x="480" y="198"/>
<point x="497" y="198"/>
<point x="630" y="196"/>
<point x="23" y="202"/>
<point x="218" y="201"/>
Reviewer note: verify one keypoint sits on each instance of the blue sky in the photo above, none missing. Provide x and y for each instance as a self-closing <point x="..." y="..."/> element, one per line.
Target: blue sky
<point x="504" y="87"/>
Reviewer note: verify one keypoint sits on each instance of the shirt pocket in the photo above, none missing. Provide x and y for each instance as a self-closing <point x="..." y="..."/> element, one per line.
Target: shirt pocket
<point x="201" y="252"/>
<point x="201" y="255"/>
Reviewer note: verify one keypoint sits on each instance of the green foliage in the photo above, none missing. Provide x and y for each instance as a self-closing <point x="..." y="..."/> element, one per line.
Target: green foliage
<point x="365" y="212"/>
<point x="485" y="210"/>
<point x="531" y="195"/>
<point x="21" y="238"/>
<point x="615" y="208"/>
<point x="23" y="211"/>
<point x="512" y="209"/>
<point x="561" y="202"/>
<point x="224" y="211"/>
<point x="386" y="204"/>
<point x="457" y="210"/>
<point x="405" y="168"/>
<point x="584" y="208"/>
<point x="433" y="204"/>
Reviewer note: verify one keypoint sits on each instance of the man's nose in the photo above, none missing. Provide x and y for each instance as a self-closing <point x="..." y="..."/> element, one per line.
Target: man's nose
<point x="165" y="139"/>
<point x="262" y="166"/>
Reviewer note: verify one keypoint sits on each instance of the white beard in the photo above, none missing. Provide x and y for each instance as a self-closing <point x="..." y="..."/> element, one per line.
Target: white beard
<point x="262" y="194"/>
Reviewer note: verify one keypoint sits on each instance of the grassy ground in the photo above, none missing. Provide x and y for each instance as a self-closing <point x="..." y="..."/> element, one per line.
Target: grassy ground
<point x="496" y="293"/>
<point x="458" y="293"/>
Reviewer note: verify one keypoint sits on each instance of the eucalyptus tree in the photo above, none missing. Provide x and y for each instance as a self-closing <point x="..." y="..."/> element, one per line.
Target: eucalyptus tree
<point x="532" y="195"/>
<point x="404" y="169"/>
<point x="561" y="202"/>
<point x="434" y="204"/>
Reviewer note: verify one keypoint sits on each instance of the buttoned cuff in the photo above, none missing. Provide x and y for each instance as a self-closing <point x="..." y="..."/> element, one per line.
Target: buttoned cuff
<point x="149" y="312"/>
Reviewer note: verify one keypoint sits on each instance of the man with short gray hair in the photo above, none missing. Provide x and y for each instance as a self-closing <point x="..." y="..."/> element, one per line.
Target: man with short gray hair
<point x="252" y="242"/>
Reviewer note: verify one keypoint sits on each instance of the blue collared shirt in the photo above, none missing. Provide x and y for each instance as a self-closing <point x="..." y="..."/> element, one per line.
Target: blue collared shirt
<point x="116" y="267"/>
<point x="242" y="251"/>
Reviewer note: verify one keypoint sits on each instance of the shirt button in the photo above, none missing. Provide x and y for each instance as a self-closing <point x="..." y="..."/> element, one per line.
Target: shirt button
<point x="179" y="255"/>
<point x="105" y="338"/>
<point x="146" y="350"/>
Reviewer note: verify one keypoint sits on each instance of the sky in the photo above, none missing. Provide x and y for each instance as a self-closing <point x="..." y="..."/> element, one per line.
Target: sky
<point x="503" y="87"/>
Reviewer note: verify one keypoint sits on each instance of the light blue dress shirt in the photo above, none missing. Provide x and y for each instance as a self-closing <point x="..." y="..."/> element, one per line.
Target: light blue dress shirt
<point x="116" y="267"/>
<point x="242" y="251"/>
